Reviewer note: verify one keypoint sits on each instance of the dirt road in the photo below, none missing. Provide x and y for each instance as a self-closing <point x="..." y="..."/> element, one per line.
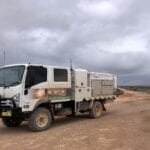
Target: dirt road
<point x="125" y="126"/>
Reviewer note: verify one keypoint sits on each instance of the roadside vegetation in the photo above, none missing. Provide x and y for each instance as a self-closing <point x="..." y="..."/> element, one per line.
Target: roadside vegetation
<point x="145" y="89"/>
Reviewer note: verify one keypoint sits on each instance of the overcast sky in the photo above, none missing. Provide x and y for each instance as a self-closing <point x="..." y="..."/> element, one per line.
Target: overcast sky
<point x="99" y="35"/>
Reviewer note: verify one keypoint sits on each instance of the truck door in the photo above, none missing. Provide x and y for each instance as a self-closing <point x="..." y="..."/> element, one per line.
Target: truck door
<point x="35" y="75"/>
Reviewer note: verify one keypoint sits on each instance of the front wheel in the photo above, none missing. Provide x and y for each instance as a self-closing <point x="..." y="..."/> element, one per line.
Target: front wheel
<point x="96" y="110"/>
<point x="40" y="119"/>
<point x="11" y="121"/>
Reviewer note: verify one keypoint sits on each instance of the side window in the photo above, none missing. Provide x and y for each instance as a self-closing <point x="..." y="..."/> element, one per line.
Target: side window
<point x="35" y="75"/>
<point x="60" y="75"/>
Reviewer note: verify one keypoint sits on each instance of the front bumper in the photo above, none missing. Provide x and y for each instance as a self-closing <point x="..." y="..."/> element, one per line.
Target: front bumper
<point x="8" y="108"/>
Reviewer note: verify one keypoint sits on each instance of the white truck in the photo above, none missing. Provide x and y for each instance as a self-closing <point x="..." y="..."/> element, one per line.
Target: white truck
<point x="38" y="93"/>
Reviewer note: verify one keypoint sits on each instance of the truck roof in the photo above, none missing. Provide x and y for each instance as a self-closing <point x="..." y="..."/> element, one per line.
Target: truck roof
<point x="33" y="65"/>
<point x="92" y="73"/>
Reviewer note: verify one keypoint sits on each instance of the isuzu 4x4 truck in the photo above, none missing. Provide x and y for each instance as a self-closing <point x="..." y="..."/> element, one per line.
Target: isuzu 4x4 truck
<point x="38" y="93"/>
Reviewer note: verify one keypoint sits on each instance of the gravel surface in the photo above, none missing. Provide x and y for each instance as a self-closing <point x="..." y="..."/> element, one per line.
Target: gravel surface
<point x="125" y="126"/>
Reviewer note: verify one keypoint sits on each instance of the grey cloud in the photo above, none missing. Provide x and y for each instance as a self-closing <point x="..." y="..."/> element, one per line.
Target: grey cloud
<point x="105" y="36"/>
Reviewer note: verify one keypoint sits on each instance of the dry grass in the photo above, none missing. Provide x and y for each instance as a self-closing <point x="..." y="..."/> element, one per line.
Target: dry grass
<point x="145" y="89"/>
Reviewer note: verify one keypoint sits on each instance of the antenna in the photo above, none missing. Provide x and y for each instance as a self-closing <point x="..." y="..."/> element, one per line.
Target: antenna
<point x="4" y="54"/>
<point x="71" y="68"/>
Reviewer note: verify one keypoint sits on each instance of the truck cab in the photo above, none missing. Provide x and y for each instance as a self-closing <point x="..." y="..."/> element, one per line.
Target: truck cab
<point x="38" y="93"/>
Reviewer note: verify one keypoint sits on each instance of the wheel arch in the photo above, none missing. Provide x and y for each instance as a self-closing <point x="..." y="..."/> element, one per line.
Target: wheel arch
<point x="102" y="102"/>
<point x="46" y="104"/>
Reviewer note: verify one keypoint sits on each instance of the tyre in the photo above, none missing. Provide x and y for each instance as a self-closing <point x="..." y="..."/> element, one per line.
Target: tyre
<point x="11" y="121"/>
<point x="40" y="119"/>
<point x="96" y="110"/>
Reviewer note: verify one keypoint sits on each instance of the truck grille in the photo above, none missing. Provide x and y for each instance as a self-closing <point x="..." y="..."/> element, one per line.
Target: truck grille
<point x="6" y="103"/>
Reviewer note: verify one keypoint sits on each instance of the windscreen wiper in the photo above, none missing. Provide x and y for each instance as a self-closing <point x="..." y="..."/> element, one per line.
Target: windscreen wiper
<point x="13" y="83"/>
<point x="2" y="84"/>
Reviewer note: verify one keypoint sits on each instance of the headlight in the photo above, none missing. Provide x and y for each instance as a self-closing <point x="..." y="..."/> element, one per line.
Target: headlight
<point x="16" y="99"/>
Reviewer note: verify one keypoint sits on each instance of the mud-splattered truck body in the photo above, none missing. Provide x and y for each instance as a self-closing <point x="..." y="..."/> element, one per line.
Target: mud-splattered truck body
<point x="38" y="93"/>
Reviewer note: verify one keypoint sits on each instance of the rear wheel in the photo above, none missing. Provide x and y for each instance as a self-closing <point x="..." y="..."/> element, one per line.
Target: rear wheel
<point x="40" y="119"/>
<point x="96" y="110"/>
<point x="11" y="121"/>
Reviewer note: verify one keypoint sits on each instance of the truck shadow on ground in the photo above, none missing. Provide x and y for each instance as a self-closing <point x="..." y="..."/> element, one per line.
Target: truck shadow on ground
<point x="58" y="122"/>
<point x="73" y="120"/>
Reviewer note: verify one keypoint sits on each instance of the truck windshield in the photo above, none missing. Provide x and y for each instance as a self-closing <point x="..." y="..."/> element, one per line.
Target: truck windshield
<point x="11" y="76"/>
